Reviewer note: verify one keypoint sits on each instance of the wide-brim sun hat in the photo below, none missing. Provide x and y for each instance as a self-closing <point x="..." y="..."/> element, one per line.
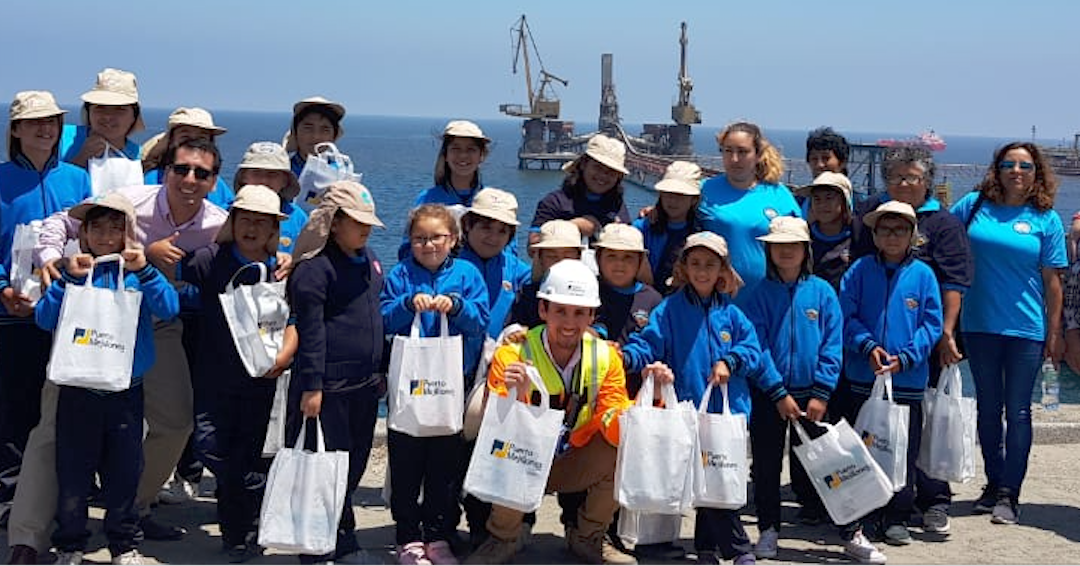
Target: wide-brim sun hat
<point x="154" y="148"/>
<point x="253" y="198"/>
<point x="495" y="204"/>
<point x="623" y="237"/>
<point x="114" y="87"/>
<point x="681" y="177"/>
<point x="335" y="107"/>
<point x="609" y="152"/>
<point x="464" y="129"/>
<point x="718" y="245"/>
<point x="31" y="105"/>
<point x="351" y="198"/>
<point x="786" y="230"/>
<point x="269" y="156"/>
<point x="570" y="282"/>
<point x="114" y="201"/>
<point x="896" y="207"/>
<point x="558" y="234"/>
<point x="829" y="180"/>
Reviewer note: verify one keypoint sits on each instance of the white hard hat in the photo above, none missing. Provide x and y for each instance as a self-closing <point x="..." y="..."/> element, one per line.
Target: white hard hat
<point x="570" y="282"/>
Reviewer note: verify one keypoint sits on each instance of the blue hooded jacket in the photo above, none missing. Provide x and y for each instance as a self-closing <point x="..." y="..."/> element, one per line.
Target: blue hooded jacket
<point x="504" y="275"/>
<point x="690" y="334"/>
<point x="801" y="332"/>
<point x="159" y="299"/>
<point x="456" y="279"/>
<point x="897" y="307"/>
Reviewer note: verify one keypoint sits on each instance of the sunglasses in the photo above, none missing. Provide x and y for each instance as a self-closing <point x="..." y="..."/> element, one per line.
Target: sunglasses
<point x="1009" y="165"/>
<point x="182" y="169"/>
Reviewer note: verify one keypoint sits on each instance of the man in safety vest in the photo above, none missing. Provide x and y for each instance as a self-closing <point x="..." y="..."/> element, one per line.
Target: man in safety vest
<point x="585" y="378"/>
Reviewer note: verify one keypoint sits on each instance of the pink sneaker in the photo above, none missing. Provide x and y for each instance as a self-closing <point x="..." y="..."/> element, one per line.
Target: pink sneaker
<point x="412" y="553"/>
<point x="439" y="553"/>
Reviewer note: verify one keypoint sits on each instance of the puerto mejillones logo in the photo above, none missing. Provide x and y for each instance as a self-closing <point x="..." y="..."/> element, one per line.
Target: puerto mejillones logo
<point x="506" y="450"/>
<point x="875" y="442"/>
<point x="717" y="460"/>
<point x="429" y="387"/>
<point x="847" y="473"/>
<point x="97" y="339"/>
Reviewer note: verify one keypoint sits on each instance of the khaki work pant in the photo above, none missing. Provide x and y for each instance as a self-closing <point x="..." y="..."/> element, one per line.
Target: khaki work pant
<point x="590" y="468"/>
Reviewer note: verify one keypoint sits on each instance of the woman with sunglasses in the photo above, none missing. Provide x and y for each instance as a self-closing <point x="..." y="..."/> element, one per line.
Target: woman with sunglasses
<point x="1013" y="314"/>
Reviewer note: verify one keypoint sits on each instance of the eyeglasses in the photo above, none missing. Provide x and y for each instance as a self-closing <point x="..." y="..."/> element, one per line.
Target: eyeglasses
<point x="893" y="232"/>
<point x="182" y="169"/>
<point x="904" y="179"/>
<point x="437" y="239"/>
<point x="1009" y="165"/>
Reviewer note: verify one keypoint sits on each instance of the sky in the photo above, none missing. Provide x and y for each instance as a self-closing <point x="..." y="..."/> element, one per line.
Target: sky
<point x="983" y="68"/>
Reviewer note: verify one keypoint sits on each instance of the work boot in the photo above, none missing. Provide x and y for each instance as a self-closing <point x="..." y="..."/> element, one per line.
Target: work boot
<point x="596" y="549"/>
<point x="493" y="551"/>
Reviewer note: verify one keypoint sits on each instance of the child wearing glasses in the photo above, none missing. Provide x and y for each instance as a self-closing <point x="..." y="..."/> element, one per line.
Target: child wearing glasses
<point x="433" y="283"/>
<point x="892" y="313"/>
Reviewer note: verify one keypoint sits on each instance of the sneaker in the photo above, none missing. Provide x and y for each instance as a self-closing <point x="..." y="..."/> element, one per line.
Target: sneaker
<point x="22" y="554"/>
<point x="73" y="557"/>
<point x="986" y="502"/>
<point x="439" y="552"/>
<point x="860" y="549"/>
<point x="708" y="557"/>
<point x="767" y="543"/>
<point x="240" y="553"/>
<point x="412" y="553"/>
<point x="177" y="491"/>
<point x="747" y="558"/>
<point x="153" y="530"/>
<point x="1006" y="511"/>
<point x="935" y="520"/>
<point x="611" y="554"/>
<point x="493" y="551"/>
<point x="130" y="557"/>
<point x="897" y="535"/>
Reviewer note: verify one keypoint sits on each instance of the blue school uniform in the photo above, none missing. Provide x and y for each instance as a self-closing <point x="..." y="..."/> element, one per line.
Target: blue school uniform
<point x="504" y="276"/>
<point x="664" y="248"/>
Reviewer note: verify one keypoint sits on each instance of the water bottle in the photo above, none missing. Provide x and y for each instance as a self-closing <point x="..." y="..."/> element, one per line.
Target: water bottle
<point x="1050" y="386"/>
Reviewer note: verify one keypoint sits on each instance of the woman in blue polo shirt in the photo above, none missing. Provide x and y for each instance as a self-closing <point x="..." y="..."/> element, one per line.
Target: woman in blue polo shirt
<point x="1013" y="311"/>
<point x="739" y="204"/>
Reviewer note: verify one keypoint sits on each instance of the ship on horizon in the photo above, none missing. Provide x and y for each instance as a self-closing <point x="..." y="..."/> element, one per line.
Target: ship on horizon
<point x="928" y="139"/>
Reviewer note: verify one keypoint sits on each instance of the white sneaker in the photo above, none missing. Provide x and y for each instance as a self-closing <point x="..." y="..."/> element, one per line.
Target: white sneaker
<point x="861" y="549"/>
<point x="767" y="543"/>
<point x="177" y="491"/>
<point x="130" y="557"/>
<point x="74" y="557"/>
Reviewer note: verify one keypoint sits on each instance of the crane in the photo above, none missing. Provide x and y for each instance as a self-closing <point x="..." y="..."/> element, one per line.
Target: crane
<point x="542" y="103"/>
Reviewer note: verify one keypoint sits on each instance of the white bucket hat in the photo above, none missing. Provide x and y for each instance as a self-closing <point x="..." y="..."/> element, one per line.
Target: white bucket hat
<point x="718" y="245"/>
<point x="114" y="88"/>
<point x="269" y="156"/>
<point x="570" y="282"/>
<point x="496" y="204"/>
<point x="253" y="198"/>
<point x="828" y="179"/>
<point x="892" y="207"/>
<point x="559" y="234"/>
<point x="681" y="177"/>
<point x="609" y="152"/>
<point x="464" y="129"/>
<point x="624" y="237"/>
<point x="785" y="230"/>
<point x="30" y="105"/>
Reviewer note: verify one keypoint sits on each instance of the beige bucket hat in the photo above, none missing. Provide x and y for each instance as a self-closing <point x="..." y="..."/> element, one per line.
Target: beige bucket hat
<point x="114" y="88"/>
<point x="828" y="179"/>
<point x="622" y="237"/>
<point x="464" y="129"/>
<point x="335" y="107"/>
<point x="681" y="177"/>
<point x="559" y="234"/>
<point x="785" y="230"/>
<point x="254" y="198"/>
<point x="269" y="156"/>
<point x="610" y="152"/>
<point x="496" y="204"/>
<point x="114" y="201"/>
<point x="350" y="197"/>
<point x="718" y="245"/>
<point x="154" y="148"/>
<point x="892" y="207"/>
<point x="30" y="105"/>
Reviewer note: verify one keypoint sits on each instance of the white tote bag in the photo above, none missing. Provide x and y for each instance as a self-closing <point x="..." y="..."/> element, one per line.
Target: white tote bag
<point x="882" y="424"/>
<point x="305" y="492"/>
<point x="648" y="528"/>
<point x="275" y="427"/>
<point x="113" y="170"/>
<point x="425" y="384"/>
<point x="844" y="474"/>
<point x="514" y="450"/>
<point x="657" y="447"/>
<point x="724" y="469"/>
<point x="947" y="451"/>
<point x="24" y="278"/>
<point x="323" y="167"/>
<point x="256" y="316"/>
<point x="94" y="343"/>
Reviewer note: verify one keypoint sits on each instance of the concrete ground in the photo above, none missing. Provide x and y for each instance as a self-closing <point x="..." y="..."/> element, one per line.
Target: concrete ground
<point x="1049" y="530"/>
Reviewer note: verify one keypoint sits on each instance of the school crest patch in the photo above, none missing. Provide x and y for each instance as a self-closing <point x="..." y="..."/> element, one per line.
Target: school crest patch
<point x="811" y="314"/>
<point x="507" y="286"/>
<point x="770" y="212"/>
<point x="641" y="318"/>
<point x="725" y="336"/>
<point x="285" y="241"/>
<point x="911" y="303"/>
<point x="1022" y="227"/>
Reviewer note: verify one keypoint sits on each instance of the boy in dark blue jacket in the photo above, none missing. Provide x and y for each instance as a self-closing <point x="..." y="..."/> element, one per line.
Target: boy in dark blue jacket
<point x="101" y="431"/>
<point x="893" y="318"/>
<point x="797" y="319"/>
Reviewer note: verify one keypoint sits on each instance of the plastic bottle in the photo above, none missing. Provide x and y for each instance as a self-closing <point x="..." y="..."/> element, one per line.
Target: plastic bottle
<point x="1050" y="386"/>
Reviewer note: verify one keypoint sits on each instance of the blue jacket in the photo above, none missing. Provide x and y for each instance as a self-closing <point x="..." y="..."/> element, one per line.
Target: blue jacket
<point x="504" y="275"/>
<point x="27" y="194"/>
<point x="899" y="311"/>
<point x="456" y="279"/>
<point x="690" y="335"/>
<point x="159" y="299"/>
<point x="221" y="195"/>
<point x="72" y="138"/>
<point x="801" y="332"/>
<point x="291" y="226"/>
<point x="664" y="248"/>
